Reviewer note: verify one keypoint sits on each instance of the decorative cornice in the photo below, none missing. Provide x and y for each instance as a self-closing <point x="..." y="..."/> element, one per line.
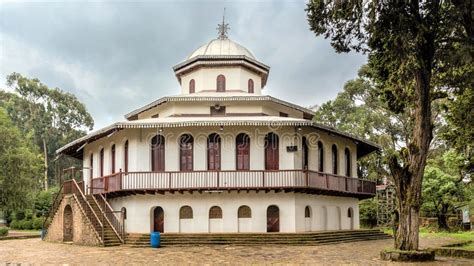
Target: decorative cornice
<point x="216" y="99"/>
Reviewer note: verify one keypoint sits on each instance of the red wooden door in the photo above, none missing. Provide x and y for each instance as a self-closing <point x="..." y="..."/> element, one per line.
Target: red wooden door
<point x="186" y="153"/>
<point x="158" y="153"/>
<point x="271" y="152"/>
<point x="214" y="152"/>
<point x="243" y="152"/>
<point x="158" y="220"/>
<point x="273" y="219"/>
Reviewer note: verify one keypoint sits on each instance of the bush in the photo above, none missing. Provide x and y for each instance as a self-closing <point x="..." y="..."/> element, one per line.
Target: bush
<point x="368" y="212"/>
<point x="38" y="223"/>
<point x="26" y="225"/>
<point x="3" y="231"/>
<point x="20" y="215"/>
<point x="15" y="224"/>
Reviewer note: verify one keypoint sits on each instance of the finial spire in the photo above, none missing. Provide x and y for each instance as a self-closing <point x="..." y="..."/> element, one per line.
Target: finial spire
<point x="223" y="28"/>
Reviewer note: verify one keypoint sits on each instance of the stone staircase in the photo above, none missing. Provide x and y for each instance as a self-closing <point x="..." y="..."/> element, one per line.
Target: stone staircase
<point x="249" y="239"/>
<point x="110" y="237"/>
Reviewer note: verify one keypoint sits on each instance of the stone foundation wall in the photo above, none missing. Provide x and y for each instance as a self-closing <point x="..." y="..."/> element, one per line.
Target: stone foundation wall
<point x="83" y="232"/>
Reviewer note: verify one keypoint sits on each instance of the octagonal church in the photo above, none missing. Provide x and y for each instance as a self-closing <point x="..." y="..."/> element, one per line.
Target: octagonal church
<point x="221" y="156"/>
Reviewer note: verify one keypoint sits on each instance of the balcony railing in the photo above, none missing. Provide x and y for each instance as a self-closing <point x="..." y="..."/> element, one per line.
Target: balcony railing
<point x="233" y="180"/>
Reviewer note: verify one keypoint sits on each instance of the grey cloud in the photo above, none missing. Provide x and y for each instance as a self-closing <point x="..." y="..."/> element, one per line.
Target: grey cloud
<point x="117" y="56"/>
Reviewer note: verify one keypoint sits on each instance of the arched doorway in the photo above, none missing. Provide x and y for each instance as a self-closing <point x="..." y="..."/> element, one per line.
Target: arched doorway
<point x="215" y="219"/>
<point x="307" y="218"/>
<point x="244" y="214"/>
<point x="338" y="217"/>
<point x="273" y="219"/>
<point x="158" y="220"/>
<point x="68" y="224"/>
<point x="324" y="218"/>
<point x="185" y="219"/>
<point x="350" y="215"/>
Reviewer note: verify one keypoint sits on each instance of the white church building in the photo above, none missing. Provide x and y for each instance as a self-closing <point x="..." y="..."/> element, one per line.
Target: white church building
<point x="223" y="157"/>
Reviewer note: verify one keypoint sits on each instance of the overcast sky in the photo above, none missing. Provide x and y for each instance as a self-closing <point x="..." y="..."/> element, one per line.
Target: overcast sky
<point x="116" y="56"/>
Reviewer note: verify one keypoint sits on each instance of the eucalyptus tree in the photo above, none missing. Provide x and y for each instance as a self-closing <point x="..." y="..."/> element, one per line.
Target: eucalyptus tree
<point x="52" y="115"/>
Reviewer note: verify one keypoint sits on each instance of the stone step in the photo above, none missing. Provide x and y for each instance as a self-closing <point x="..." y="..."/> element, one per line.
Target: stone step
<point x="243" y="243"/>
<point x="314" y="238"/>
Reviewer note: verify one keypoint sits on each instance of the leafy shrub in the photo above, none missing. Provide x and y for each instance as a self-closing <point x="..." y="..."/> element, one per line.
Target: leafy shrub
<point x="15" y="224"/>
<point x="26" y="224"/>
<point x="20" y="215"/>
<point x="368" y="213"/>
<point x="3" y="231"/>
<point x="38" y="223"/>
<point x="43" y="201"/>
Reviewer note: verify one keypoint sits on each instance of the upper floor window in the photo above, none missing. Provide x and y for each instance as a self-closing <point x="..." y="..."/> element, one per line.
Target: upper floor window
<point x="158" y="153"/>
<point x="101" y="162"/>
<point x="214" y="152"/>
<point x="112" y="154"/>
<point x="304" y="149"/>
<point x="242" y="145"/>
<point x="271" y="152"/>
<point x="125" y="156"/>
<point x="220" y="83"/>
<point x="92" y="165"/>
<point x="347" y="154"/>
<point x="334" y="159"/>
<point x="250" y="85"/>
<point x="320" y="157"/>
<point x="186" y="143"/>
<point x="192" y="86"/>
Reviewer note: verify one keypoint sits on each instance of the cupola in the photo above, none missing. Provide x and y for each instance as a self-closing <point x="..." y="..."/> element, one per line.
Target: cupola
<point x="222" y="67"/>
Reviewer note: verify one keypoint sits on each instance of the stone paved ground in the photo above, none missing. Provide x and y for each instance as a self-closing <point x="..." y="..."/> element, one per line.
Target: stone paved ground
<point x="35" y="251"/>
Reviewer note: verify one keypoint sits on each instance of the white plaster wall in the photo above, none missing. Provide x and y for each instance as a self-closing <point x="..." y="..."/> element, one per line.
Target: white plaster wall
<point x="140" y="157"/>
<point x="139" y="211"/>
<point x="236" y="79"/>
<point x="317" y="203"/>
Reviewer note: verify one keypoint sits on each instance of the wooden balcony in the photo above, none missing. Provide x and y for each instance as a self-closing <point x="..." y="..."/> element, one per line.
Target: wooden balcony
<point x="127" y="183"/>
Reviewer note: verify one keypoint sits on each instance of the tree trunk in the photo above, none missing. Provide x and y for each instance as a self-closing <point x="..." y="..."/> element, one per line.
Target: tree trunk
<point x="407" y="233"/>
<point x="45" y="152"/>
<point x="409" y="176"/>
<point x="442" y="218"/>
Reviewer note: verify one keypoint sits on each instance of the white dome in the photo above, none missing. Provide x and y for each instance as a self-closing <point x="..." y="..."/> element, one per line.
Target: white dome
<point x="221" y="47"/>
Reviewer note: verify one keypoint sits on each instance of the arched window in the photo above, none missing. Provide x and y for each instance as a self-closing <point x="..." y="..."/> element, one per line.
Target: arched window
<point x="349" y="213"/>
<point x="92" y="165"/>
<point x="250" y="86"/>
<point x="186" y="143"/>
<point x="220" y="83"/>
<point x="271" y="152"/>
<point x="214" y="152"/>
<point x="185" y="212"/>
<point x="125" y="156"/>
<point x="242" y="144"/>
<point x="101" y="171"/>
<point x="307" y="212"/>
<point x="124" y="213"/>
<point x="304" y="149"/>
<point x="215" y="212"/>
<point x="158" y="153"/>
<point x="244" y="212"/>
<point x="112" y="154"/>
<point x="334" y="159"/>
<point x="192" y="85"/>
<point x="347" y="154"/>
<point x="320" y="157"/>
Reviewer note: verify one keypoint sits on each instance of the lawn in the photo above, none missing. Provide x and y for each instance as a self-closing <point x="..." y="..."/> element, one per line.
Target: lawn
<point x="429" y="233"/>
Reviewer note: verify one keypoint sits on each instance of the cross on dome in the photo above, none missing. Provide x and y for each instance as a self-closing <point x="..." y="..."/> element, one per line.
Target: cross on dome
<point x="223" y="28"/>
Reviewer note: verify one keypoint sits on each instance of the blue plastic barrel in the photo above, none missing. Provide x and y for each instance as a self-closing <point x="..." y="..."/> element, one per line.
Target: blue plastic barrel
<point x="155" y="239"/>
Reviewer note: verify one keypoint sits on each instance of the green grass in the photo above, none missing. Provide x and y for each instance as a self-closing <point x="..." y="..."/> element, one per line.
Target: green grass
<point x="429" y="233"/>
